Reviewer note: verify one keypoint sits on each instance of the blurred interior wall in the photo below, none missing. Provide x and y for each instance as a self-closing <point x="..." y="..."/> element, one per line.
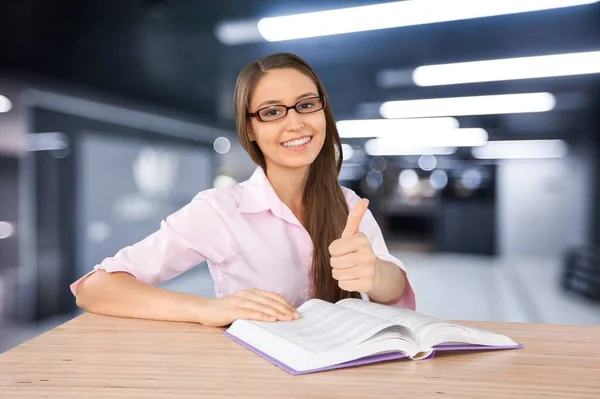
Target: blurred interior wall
<point x="12" y="123"/>
<point x="112" y="189"/>
<point x="238" y="162"/>
<point x="596" y="177"/>
<point x="42" y="191"/>
<point x="9" y="185"/>
<point x="596" y="200"/>
<point x="156" y="179"/>
<point x="9" y="256"/>
<point x="545" y="205"/>
<point x="12" y="144"/>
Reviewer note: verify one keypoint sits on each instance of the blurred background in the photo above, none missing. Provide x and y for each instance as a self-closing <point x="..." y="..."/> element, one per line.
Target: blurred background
<point x="472" y="126"/>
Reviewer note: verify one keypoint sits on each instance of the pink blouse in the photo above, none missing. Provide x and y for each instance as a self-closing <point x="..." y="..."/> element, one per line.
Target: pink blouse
<point x="248" y="237"/>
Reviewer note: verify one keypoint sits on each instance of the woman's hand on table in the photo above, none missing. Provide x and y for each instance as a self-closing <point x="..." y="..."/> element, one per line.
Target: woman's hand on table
<point x="249" y="304"/>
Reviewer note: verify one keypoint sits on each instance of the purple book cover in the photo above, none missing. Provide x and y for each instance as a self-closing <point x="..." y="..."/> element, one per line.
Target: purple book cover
<point x="369" y="359"/>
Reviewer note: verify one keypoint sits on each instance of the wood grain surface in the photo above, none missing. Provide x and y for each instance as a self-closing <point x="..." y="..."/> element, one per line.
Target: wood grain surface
<point x="95" y="356"/>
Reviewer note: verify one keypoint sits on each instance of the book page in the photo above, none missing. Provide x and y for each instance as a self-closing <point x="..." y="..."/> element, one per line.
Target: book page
<point x="429" y="330"/>
<point x="325" y="327"/>
<point x="419" y="324"/>
<point x="452" y="335"/>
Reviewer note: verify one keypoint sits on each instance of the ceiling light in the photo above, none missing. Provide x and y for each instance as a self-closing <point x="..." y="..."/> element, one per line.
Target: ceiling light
<point x="384" y="127"/>
<point x="377" y="147"/>
<point x="470" y="137"/>
<point x="237" y="32"/>
<point x="5" y="104"/>
<point x="521" y="149"/>
<point x="476" y="105"/>
<point x="394" y="15"/>
<point x="508" y="69"/>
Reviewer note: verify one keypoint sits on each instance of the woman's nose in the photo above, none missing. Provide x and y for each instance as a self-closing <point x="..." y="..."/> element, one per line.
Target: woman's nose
<point x="294" y="120"/>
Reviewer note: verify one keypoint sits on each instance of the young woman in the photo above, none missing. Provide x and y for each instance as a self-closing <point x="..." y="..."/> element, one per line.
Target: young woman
<point x="282" y="237"/>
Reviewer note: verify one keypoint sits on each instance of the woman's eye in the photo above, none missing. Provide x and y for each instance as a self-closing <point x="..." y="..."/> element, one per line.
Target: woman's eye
<point x="270" y="112"/>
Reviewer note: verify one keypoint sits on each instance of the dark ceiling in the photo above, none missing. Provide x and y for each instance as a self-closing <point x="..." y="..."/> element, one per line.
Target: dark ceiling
<point x="165" y="53"/>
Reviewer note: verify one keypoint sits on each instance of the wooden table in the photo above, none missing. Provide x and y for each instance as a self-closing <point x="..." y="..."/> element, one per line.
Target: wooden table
<point x="96" y="356"/>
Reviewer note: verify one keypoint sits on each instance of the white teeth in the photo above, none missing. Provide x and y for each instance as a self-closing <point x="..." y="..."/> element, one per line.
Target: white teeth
<point x="296" y="143"/>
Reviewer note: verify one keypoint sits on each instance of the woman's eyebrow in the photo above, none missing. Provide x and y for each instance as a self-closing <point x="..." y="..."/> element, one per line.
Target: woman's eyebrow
<point x="309" y="94"/>
<point x="275" y="102"/>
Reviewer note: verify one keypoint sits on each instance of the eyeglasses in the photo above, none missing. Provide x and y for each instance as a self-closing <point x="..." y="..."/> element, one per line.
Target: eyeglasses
<point x="276" y="112"/>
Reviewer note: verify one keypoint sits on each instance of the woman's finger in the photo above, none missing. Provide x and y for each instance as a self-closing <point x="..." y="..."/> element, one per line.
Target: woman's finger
<point x="272" y="303"/>
<point x="278" y="299"/>
<point x="256" y="305"/>
<point x="248" y="314"/>
<point x="345" y="261"/>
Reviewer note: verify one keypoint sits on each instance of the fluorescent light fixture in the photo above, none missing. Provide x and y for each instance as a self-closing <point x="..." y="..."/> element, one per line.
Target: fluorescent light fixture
<point x="384" y="127"/>
<point x="476" y="105"/>
<point x="376" y="147"/>
<point x="508" y="69"/>
<point x="521" y="149"/>
<point x="237" y="32"/>
<point x="426" y="142"/>
<point x="396" y="14"/>
<point x="469" y="137"/>
<point x="48" y="141"/>
<point x="5" y="104"/>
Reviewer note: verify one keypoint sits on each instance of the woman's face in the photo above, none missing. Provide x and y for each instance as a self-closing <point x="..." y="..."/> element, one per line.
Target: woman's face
<point x="295" y="140"/>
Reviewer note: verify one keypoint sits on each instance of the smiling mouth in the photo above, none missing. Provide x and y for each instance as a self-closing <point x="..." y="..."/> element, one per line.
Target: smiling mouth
<point x="296" y="143"/>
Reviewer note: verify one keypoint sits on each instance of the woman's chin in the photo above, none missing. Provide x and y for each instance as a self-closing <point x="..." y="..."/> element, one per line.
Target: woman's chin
<point x="295" y="160"/>
<point x="297" y="163"/>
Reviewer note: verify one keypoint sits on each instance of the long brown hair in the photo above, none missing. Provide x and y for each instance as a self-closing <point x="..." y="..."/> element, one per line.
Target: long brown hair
<point x="325" y="206"/>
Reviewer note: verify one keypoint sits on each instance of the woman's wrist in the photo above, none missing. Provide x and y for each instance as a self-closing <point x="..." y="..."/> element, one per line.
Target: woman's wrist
<point x="388" y="282"/>
<point x="195" y="309"/>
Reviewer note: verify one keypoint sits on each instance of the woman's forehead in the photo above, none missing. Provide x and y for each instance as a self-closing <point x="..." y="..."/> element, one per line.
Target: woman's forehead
<point x="283" y="86"/>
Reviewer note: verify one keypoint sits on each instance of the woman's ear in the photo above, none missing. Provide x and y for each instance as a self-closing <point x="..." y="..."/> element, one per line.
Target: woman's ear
<point x="251" y="135"/>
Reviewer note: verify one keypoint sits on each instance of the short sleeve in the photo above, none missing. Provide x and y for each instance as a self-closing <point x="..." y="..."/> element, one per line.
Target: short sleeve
<point x="371" y="229"/>
<point x="191" y="235"/>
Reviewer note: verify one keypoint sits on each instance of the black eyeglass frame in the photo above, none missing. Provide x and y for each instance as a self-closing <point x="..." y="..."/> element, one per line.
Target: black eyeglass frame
<point x="287" y="109"/>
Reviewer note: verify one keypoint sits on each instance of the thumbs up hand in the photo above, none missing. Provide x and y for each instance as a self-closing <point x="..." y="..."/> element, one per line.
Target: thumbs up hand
<point x="352" y="259"/>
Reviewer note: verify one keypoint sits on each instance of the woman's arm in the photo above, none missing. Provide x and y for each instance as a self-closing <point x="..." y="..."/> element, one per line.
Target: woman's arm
<point x="120" y="294"/>
<point x="389" y="283"/>
<point x="126" y="285"/>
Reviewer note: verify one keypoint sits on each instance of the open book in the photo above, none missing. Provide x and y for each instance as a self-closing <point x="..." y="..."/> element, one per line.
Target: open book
<point x="353" y="332"/>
